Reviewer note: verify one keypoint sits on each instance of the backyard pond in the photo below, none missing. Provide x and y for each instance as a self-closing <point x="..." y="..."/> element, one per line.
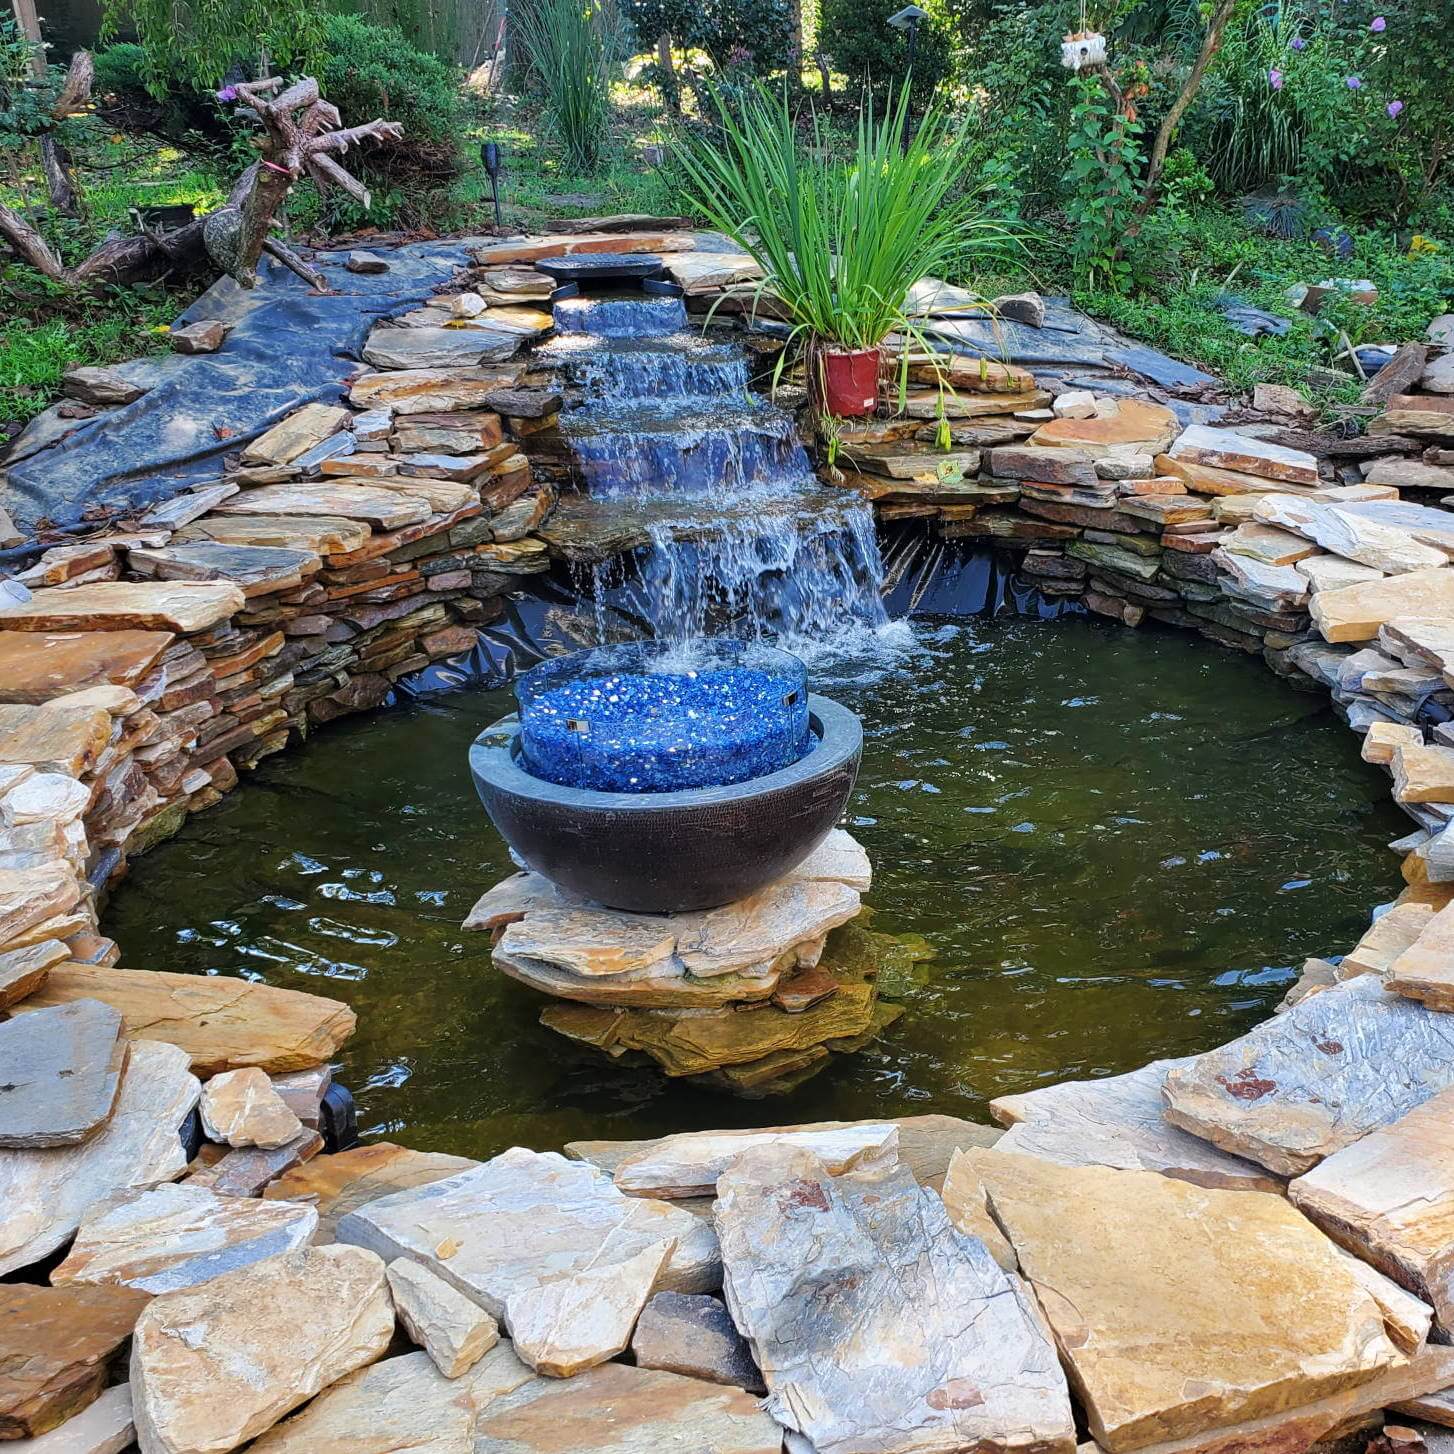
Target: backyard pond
<point x="1117" y="845"/>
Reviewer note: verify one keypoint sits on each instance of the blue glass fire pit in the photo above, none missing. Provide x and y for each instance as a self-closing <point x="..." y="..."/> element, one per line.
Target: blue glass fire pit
<point x="652" y="718"/>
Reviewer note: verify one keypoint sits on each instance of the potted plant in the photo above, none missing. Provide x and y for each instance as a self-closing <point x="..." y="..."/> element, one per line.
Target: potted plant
<point x="841" y="240"/>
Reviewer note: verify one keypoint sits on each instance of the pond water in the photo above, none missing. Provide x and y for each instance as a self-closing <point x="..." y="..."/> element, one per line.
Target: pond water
<point x="1120" y="845"/>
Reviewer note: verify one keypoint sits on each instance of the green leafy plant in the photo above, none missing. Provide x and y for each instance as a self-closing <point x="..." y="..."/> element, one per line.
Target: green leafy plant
<point x="755" y="34"/>
<point x="876" y="59"/>
<point x="573" y="50"/>
<point x="1101" y="184"/>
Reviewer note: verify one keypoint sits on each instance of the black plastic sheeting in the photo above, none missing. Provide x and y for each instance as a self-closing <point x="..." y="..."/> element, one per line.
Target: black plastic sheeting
<point x="924" y="575"/>
<point x="289" y="346"/>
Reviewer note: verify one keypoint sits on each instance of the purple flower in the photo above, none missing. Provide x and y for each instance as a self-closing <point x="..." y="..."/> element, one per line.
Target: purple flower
<point x="1393" y="108"/>
<point x="1274" y="79"/>
<point x="1298" y="43"/>
<point x="1354" y="83"/>
<point x="1378" y="25"/>
<point x="227" y="93"/>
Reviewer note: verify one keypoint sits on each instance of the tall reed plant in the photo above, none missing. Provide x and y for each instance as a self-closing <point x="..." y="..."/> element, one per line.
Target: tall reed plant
<point x="573" y="51"/>
<point x="841" y="242"/>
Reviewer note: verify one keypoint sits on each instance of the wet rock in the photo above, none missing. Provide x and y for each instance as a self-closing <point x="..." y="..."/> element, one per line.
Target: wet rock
<point x="1268" y="1316"/>
<point x="241" y="1108"/>
<point x="455" y="1332"/>
<point x="694" y="1335"/>
<point x="689" y="1164"/>
<point x="876" y="1324"/>
<point x="168" y="1237"/>
<point x="615" y="1409"/>
<point x="525" y="1218"/>
<point x="1356" y="612"/>
<point x="1389" y="1198"/>
<point x="221" y="1022"/>
<point x="217" y="1365"/>
<point x="45" y="1195"/>
<point x="56" y="1349"/>
<point x="1117" y="1122"/>
<point x="301" y="431"/>
<point x="60" y="1073"/>
<point x="1309" y="1082"/>
<point x="104" y="1427"/>
<point x="397" y="1405"/>
<point x="567" y="1325"/>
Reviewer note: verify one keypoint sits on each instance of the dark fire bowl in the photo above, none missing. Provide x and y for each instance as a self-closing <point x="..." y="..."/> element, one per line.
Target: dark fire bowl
<point x="661" y="853"/>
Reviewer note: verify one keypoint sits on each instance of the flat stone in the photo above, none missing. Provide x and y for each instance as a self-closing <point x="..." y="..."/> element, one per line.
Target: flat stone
<point x="1307" y="1083"/>
<point x="876" y="1324"/>
<point x="438" y="348"/>
<point x="400" y="1404"/>
<point x="1268" y="1316"/>
<point x="1224" y="449"/>
<point x="1268" y="544"/>
<point x="616" y="1409"/>
<point x="1150" y="427"/>
<point x="321" y="535"/>
<point x="258" y="569"/>
<point x="694" y="1335"/>
<point x="184" y="606"/>
<point x="1386" y="938"/>
<point x="301" y="431"/>
<point x="303" y="1091"/>
<point x="205" y="337"/>
<point x="1425" y="969"/>
<point x="688" y="1165"/>
<point x="45" y="1195"/>
<point x="103" y="1427"/>
<point x="98" y="385"/>
<point x="1042" y="465"/>
<point x="1354" y="537"/>
<point x="430" y="390"/>
<point x="216" y="1365"/>
<point x="569" y="1324"/>
<point x="1406" y="1319"/>
<point x="360" y="261"/>
<point x="1438" y="1408"/>
<point x="967" y="1203"/>
<point x="23" y="971"/>
<point x="524" y="1218"/>
<point x="247" y="1171"/>
<point x="221" y="1022"/>
<point x="60" y="1074"/>
<point x="56" y="1348"/>
<point x="1383" y="738"/>
<point x="1355" y="613"/>
<point x="34" y="667"/>
<point x="370" y="503"/>
<point x="1409" y="474"/>
<point x="1117" y="1122"/>
<point x="707" y="272"/>
<point x="1331" y="572"/>
<point x="338" y="1184"/>
<point x="241" y="1108"/>
<point x="54" y="738"/>
<point x="164" y="1238"/>
<point x="454" y="1331"/>
<point x="1423" y="774"/>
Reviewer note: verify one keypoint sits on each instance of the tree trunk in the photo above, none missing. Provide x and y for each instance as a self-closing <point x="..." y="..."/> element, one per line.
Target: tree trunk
<point x="671" y="88"/>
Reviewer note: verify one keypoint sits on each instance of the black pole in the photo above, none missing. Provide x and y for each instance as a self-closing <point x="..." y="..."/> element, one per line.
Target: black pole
<point x="908" y="83"/>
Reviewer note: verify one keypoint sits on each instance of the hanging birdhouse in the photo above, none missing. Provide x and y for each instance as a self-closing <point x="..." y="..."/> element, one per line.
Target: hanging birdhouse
<point x="1084" y="49"/>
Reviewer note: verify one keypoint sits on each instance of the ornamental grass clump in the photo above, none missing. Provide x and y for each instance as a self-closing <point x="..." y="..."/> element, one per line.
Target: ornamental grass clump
<point x="573" y="51"/>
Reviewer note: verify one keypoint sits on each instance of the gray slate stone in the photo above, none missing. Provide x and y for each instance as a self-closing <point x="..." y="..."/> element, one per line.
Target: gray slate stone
<point x="437" y="348"/>
<point x="694" y="1335"/>
<point x="60" y="1072"/>
<point x="1303" y="1085"/>
<point x="877" y="1325"/>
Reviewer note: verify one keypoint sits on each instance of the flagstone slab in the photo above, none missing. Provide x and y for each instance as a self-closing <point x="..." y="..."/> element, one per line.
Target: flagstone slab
<point x="247" y="1171"/>
<point x="1407" y="1320"/>
<point x="688" y="1165"/>
<point x="216" y="1365"/>
<point x="1117" y="1122"/>
<point x="1353" y="536"/>
<point x="397" y="1405"/>
<point x="1385" y="939"/>
<point x="385" y="509"/>
<point x="176" y="1235"/>
<point x="454" y="1331"/>
<point x="339" y="1184"/>
<point x="1136" y="422"/>
<point x="1232" y="1305"/>
<point x="223" y="1023"/>
<point x="46" y="1194"/>
<point x="184" y="606"/>
<point x="60" y="1073"/>
<point x="438" y="348"/>
<point x="55" y="737"/>
<point x="23" y="971"/>
<point x="617" y="1409"/>
<point x="1334" y="1067"/>
<point x="1425" y="970"/>
<point x="31" y="896"/>
<point x="524" y="1218"/>
<point x="879" y="1328"/>
<point x="36" y="666"/>
<point x="429" y="391"/>
<point x="1423" y="774"/>
<point x="323" y="535"/>
<point x="1224" y="449"/>
<point x="967" y="1203"/>
<point x="693" y="1335"/>
<point x="258" y="569"/>
<point x="241" y="1108"/>
<point x="297" y="434"/>
<point x="1355" y="613"/>
<point x="56" y="1349"/>
<point x="104" y="1427"/>
<point x="1389" y="1198"/>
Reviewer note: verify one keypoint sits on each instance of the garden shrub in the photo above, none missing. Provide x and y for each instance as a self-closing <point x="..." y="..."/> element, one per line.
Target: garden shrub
<point x="874" y="57"/>
<point x="756" y="35"/>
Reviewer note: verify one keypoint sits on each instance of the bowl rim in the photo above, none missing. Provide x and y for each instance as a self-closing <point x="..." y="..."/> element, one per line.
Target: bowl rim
<point x="837" y="734"/>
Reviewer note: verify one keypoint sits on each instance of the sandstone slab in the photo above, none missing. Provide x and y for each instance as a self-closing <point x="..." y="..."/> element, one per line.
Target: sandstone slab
<point x="36" y="666"/>
<point x="219" y="1364"/>
<point x="438" y="348"/>
<point x="1223" y="449"/>
<point x="23" y="971"/>
<point x="321" y="535"/>
<point x="60" y="1073"/>
<point x="221" y="1022"/>
<point x="1118" y="1122"/>
<point x="454" y="1331"/>
<point x="1423" y="774"/>
<point x="967" y="1203"/>
<point x="1355" y="613"/>
<point x="1425" y="969"/>
<point x="876" y="1324"/>
<point x="1270" y="1317"/>
<point x="525" y="1218"/>
<point x="56" y="1347"/>
<point x="1334" y="1067"/>
<point x="1352" y="536"/>
<point x="103" y="1427"/>
<point x="184" y="606"/>
<point x="428" y="391"/>
<point x="297" y="434"/>
<point x="1137" y="423"/>
<point x="694" y="1335"/>
<point x="370" y="504"/>
<point x="164" y="1238"/>
<point x="241" y="1108"/>
<point x="45" y="1195"/>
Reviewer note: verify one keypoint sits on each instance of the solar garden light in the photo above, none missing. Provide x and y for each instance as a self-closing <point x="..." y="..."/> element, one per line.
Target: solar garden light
<point x="490" y="154"/>
<point x="908" y="20"/>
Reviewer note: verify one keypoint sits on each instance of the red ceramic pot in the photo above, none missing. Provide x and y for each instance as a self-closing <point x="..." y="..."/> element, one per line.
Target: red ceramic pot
<point x="850" y="382"/>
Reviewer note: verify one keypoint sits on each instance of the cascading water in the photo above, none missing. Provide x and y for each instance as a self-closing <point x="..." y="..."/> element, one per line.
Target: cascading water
<point x="743" y="537"/>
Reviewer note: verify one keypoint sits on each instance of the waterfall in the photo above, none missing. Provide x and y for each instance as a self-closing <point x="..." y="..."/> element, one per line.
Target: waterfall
<point x="744" y="538"/>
